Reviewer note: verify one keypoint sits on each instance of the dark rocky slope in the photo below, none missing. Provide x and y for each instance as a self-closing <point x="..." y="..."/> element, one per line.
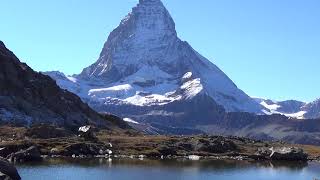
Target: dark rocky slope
<point x="28" y="97"/>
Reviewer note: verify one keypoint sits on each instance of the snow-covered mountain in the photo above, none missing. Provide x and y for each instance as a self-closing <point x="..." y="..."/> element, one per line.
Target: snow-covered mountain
<point x="160" y="84"/>
<point x="292" y="108"/>
<point x="144" y="63"/>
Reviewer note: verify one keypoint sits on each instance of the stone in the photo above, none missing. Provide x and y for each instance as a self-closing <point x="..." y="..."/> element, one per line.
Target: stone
<point x="82" y="149"/>
<point x="30" y="154"/>
<point x="54" y="151"/>
<point x="8" y="171"/>
<point x="86" y="132"/>
<point x="288" y="154"/>
<point x="194" y="157"/>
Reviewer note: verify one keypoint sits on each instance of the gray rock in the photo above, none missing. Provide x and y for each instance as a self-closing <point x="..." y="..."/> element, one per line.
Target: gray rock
<point x="30" y="154"/>
<point x="86" y="132"/>
<point x="288" y="154"/>
<point x="86" y="149"/>
<point x="8" y="171"/>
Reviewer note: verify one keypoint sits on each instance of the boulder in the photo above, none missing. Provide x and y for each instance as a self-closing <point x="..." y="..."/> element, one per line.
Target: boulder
<point x="87" y="149"/>
<point x="8" y="171"/>
<point x="13" y="147"/>
<point x="288" y="154"/>
<point x="216" y="145"/>
<point x="3" y="151"/>
<point x="86" y="132"/>
<point x="30" y="154"/>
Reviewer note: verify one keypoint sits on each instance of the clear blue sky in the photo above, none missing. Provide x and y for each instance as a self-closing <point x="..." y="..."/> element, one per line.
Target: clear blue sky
<point x="269" y="48"/>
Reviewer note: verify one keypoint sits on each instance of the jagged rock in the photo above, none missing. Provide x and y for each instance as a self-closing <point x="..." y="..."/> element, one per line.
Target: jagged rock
<point x="282" y="154"/>
<point x="28" y="97"/>
<point x="2" y="152"/>
<point x="87" y="133"/>
<point x="264" y="152"/>
<point x="288" y="154"/>
<point x="8" y="171"/>
<point x="30" y="154"/>
<point x="13" y="148"/>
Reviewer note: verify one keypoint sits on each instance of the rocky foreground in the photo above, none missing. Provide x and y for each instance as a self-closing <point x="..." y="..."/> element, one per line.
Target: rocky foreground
<point x="32" y="144"/>
<point x="20" y="144"/>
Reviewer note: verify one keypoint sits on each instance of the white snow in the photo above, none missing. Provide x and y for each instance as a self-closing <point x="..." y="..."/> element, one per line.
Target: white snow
<point x="297" y="115"/>
<point x="192" y="88"/>
<point x="272" y="107"/>
<point x="84" y="128"/>
<point x="129" y="121"/>
<point x="186" y="76"/>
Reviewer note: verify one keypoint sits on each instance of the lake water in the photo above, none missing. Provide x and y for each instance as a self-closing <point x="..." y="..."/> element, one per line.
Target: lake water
<point x="96" y="169"/>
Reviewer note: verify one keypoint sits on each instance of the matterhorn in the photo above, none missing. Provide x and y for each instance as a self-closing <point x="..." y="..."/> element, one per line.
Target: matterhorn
<point x="147" y="74"/>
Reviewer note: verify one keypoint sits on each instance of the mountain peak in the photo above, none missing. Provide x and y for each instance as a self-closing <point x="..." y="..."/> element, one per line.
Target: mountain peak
<point x="149" y="1"/>
<point x="2" y="44"/>
<point x="152" y="16"/>
<point x="147" y="28"/>
<point x="144" y="54"/>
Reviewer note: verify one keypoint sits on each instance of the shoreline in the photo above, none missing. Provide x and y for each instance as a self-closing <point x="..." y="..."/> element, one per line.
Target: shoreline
<point x="190" y="158"/>
<point x="21" y="144"/>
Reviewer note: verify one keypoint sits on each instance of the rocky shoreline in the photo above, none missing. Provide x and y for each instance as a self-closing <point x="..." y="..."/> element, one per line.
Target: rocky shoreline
<point x="20" y="144"/>
<point x="42" y="142"/>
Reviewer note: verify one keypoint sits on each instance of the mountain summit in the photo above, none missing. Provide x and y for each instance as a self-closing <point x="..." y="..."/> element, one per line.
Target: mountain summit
<point x="160" y="84"/>
<point x="135" y="43"/>
<point x="144" y="63"/>
<point x="145" y="73"/>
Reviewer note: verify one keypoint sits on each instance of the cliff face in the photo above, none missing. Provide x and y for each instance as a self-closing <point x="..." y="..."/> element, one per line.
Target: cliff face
<point x="28" y="97"/>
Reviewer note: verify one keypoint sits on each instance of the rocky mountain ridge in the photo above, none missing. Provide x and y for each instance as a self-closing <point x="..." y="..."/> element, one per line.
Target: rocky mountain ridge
<point x="292" y="108"/>
<point x="28" y="97"/>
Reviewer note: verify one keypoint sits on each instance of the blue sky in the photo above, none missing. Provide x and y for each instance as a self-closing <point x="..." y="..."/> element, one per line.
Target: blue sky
<point x="269" y="48"/>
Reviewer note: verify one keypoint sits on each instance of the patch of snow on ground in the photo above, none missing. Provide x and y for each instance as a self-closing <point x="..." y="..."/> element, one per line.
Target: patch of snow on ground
<point x="130" y="120"/>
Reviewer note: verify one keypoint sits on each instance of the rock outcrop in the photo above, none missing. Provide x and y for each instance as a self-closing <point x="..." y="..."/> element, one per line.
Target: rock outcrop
<point x="26" y="155"/>
<point x="282" y="154"/>
<point x="288" y="154"/>
<point x="28" y="97"/>
<point x="8" y="171"/>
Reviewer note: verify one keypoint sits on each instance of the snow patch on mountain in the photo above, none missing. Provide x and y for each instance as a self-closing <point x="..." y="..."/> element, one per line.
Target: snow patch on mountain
<point x="290" y="108"/>
<point x="130" y="120"/>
